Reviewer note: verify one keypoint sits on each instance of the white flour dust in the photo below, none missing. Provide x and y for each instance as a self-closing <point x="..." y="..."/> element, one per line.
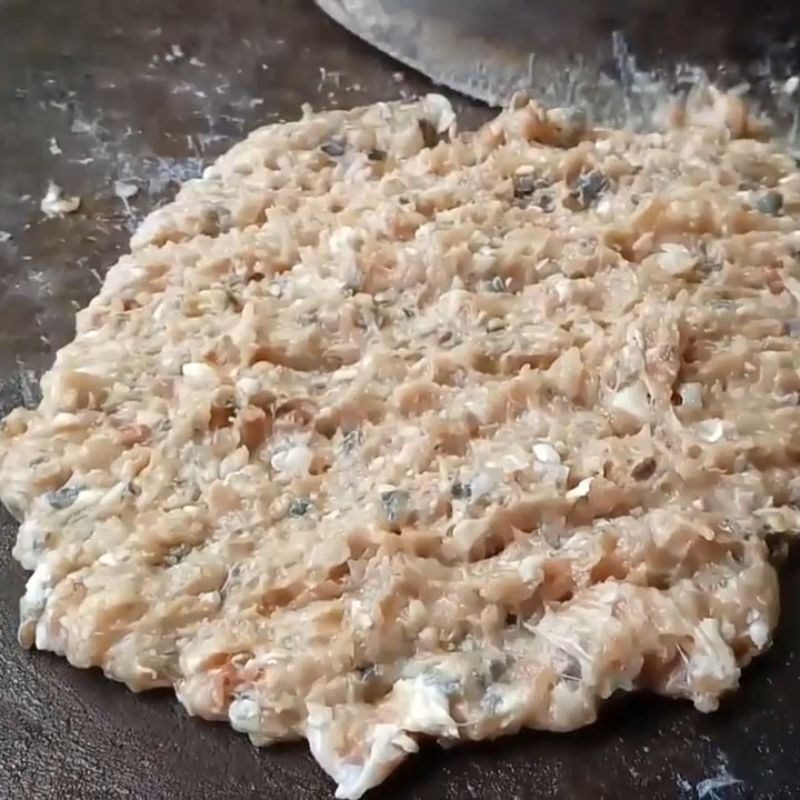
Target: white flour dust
<point x="722" y="785"/>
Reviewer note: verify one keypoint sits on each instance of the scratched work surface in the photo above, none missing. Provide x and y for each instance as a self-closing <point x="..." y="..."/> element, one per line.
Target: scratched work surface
<point x="147" y="92"/>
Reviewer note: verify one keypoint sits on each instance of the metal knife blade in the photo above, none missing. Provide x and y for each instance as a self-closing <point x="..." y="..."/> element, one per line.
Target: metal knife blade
<point x="416" y="34"/>
<point x="577" y="50"/>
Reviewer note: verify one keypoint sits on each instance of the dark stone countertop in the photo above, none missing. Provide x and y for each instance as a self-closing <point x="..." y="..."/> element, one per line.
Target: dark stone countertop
<point x="150" y="91"/>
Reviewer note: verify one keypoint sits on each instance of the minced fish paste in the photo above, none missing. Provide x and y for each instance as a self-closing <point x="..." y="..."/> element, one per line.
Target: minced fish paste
<point x="384" y="432"/>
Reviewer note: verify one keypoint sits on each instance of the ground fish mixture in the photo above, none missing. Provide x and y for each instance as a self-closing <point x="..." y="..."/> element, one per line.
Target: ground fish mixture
<point x="383" y="432"/>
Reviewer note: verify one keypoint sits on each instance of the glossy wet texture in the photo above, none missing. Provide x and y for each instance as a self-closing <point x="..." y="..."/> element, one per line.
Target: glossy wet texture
<point x="152" y="91"/>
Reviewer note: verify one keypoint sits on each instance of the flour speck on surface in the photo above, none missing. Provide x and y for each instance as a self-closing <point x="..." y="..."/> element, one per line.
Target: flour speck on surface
<point x="55" y="203"/>
<point x="713" y="788"/>
<point x="124" y="190"/>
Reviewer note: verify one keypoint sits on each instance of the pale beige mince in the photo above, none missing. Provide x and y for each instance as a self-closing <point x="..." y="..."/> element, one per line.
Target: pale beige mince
<point x="374" y="437"/>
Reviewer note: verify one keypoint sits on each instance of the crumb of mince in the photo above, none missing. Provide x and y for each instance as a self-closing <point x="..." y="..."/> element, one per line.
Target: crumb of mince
<point x="383" y="432"/>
